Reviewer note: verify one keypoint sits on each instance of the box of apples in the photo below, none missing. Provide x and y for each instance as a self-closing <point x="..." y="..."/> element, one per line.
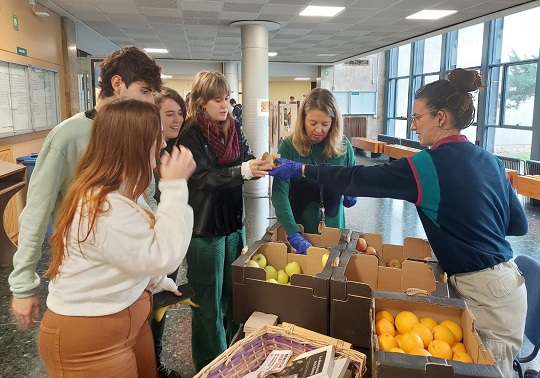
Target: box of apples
<point x="360" y="273"/>
<point x="270" y="279"/>
<point x="429" y="337"/>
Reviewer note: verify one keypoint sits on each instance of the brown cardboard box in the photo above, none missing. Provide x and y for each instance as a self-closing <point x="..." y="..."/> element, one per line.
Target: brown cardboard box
<point x="305" y="302"/>
<point x="391" y="365"/>
<point x="359" y="275"/>
<point x="328" y="238"/>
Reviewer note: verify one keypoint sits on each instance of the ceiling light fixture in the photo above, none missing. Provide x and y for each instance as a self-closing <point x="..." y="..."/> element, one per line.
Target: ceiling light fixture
<point x="430" y="14"/>
<point x="158" y="51"/>
<point x="302" y="78"/>
<point x="321" y="11"/>
<point x="166" y="76"/>
<point x="326" y="54"/>
<point x="272" y="53"/>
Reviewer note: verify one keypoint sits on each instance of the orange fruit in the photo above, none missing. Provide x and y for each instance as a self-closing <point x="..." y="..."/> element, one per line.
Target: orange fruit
<point x="411" y="341"/>
<point x="442" y="332"/>
<point x="424" y="333"/>
<point x="458" y="347"/>
<point x="420" y="352"/>
<point x="455" y="328"/>
<point x="398" y="339"/>
<point x="462" y="356"/>
<point x="405" y="320"/>
<point x="428" y="322"/>
<point x="384" y="314"/>
<point x="386" y="342"/>
<point x="441" y="349"/>
<point x="396" y="350"/>
<point x="384" y="326"/>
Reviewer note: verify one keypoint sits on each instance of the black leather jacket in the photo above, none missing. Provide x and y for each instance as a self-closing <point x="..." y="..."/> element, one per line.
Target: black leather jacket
<point x="215" y="192"/>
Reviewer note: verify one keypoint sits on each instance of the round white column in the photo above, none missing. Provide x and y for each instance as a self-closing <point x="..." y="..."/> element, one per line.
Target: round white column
<point x="255" y="93"/>
<point x="230" y="70"/>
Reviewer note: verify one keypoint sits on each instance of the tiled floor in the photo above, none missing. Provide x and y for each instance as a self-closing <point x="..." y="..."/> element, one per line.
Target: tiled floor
<point x="393" y="219"/>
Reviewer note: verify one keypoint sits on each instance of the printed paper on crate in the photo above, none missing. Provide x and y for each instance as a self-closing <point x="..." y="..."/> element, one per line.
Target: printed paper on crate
<point x="274" y="363"/>
<point x="317" y="363"/>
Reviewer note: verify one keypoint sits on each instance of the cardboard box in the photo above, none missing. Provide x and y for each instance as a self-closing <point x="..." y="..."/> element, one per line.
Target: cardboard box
<point x="305" y="302"/>
<point x="359" y="275"/>
<point x="328" y="238"/>
<point x="391" y="365"/>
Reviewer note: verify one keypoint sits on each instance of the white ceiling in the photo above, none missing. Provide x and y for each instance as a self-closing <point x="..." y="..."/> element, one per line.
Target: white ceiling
<point x="199" y="29"/>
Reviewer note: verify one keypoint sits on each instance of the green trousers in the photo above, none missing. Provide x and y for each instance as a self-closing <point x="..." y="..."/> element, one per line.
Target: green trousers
<point x="210" y="274"/>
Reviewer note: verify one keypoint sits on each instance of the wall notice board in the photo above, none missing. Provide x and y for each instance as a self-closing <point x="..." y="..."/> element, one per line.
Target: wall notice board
<point x="356" y="102"/>
<point x="28" y="99"/>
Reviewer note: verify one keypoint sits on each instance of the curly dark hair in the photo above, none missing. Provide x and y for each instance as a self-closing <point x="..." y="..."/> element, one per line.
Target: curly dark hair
<point x="453" y="95"/>
<point x="132" y="65"/>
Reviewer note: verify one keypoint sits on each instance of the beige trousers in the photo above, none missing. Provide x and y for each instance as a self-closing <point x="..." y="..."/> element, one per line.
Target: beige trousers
<point x="498" y="300"/>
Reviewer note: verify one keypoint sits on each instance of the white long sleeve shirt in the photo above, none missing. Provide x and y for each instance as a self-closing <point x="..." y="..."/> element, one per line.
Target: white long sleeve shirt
<point x="110" y="270"/>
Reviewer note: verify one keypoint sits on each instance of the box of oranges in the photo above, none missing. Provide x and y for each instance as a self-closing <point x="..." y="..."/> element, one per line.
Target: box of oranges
<point x="360" y="273"/>
<point x="426" y="337"/>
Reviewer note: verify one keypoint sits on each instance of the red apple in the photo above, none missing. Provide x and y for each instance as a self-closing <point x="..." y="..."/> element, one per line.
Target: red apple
<point x="370" y="250"/>
<point x="394" y="263"/>
<point x="361" y="245"/>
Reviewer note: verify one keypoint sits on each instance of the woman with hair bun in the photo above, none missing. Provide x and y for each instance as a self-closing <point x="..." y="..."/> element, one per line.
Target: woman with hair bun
<point x="465" y="203"/>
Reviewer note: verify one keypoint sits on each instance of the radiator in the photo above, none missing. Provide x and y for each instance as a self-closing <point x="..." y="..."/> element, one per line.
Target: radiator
<point x="511" y="163"/>
<point x="532" y="167"/>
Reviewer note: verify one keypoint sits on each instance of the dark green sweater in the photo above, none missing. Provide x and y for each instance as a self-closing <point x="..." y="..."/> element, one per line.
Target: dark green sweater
<point x="297" y="200"/>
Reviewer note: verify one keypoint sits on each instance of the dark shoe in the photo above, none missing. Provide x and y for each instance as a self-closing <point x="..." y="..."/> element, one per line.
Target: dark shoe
<point x="165" y="372"/>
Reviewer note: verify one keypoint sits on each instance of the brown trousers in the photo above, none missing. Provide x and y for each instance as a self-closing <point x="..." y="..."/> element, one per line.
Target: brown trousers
<point x="118" y="345"/>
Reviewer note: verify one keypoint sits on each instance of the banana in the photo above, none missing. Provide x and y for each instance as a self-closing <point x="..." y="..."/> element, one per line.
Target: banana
<point x="160" y="312"/>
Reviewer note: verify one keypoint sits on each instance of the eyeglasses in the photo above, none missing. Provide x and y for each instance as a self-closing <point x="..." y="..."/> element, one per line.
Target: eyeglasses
<point x="415" y="117"/>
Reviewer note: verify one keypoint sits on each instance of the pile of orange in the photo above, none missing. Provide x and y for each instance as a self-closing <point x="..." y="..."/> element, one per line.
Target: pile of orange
<point x="406" y="333"/>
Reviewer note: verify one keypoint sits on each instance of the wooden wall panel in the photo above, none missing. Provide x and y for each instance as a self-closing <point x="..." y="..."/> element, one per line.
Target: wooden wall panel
<point x="11" y="216"/>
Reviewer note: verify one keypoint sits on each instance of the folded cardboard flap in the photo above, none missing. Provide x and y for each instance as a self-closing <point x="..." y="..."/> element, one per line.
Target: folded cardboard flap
<point x="365" y="269"/>
<point x="328" y="238"/>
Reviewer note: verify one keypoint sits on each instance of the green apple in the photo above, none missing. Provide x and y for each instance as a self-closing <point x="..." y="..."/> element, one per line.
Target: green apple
<point x="282" y="277"/>
<point x="252" y="264"/>
<point x="271" y="272"/>
<point x="293" y="268"/>
<point x="271" y="280"/>
<point x="324" y="259"/>
<point x="260" y="259"/>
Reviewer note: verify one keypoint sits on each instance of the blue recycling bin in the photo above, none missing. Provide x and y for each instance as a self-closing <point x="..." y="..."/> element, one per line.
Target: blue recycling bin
<point x="29" y="161"/>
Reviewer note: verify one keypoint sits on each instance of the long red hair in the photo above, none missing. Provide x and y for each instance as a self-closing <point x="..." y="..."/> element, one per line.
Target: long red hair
<point x="117" y="158"/>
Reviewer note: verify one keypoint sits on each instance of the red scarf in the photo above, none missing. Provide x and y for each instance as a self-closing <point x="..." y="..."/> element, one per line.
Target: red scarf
<point x="225" y="152"/>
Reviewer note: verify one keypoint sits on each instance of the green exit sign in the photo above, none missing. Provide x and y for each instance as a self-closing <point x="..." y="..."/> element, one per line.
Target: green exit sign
<point x="355" y="93"/>
<point x="326" y="72"/>
<point x="22" y="51"/>
<point x="15" y="22"/>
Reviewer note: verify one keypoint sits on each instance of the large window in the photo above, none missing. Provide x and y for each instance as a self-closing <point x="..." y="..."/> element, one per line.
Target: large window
<point x="398" y="90"/>
<point x="469" y="46"/>
<point x="507" y="51"/>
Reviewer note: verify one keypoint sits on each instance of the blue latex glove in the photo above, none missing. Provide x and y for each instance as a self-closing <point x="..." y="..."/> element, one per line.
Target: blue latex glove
<point x="349" y="201"/>
<point x="286" y="169"/>
<point x="299" y="243"/>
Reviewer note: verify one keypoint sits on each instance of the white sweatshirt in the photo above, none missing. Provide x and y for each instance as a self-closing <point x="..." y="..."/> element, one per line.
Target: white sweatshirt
<point x="120" y="258"/>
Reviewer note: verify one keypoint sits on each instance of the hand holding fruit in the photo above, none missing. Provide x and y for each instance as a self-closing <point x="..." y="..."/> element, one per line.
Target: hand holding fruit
<point x="286" y="169"/>
<point x="298" y="242"/>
